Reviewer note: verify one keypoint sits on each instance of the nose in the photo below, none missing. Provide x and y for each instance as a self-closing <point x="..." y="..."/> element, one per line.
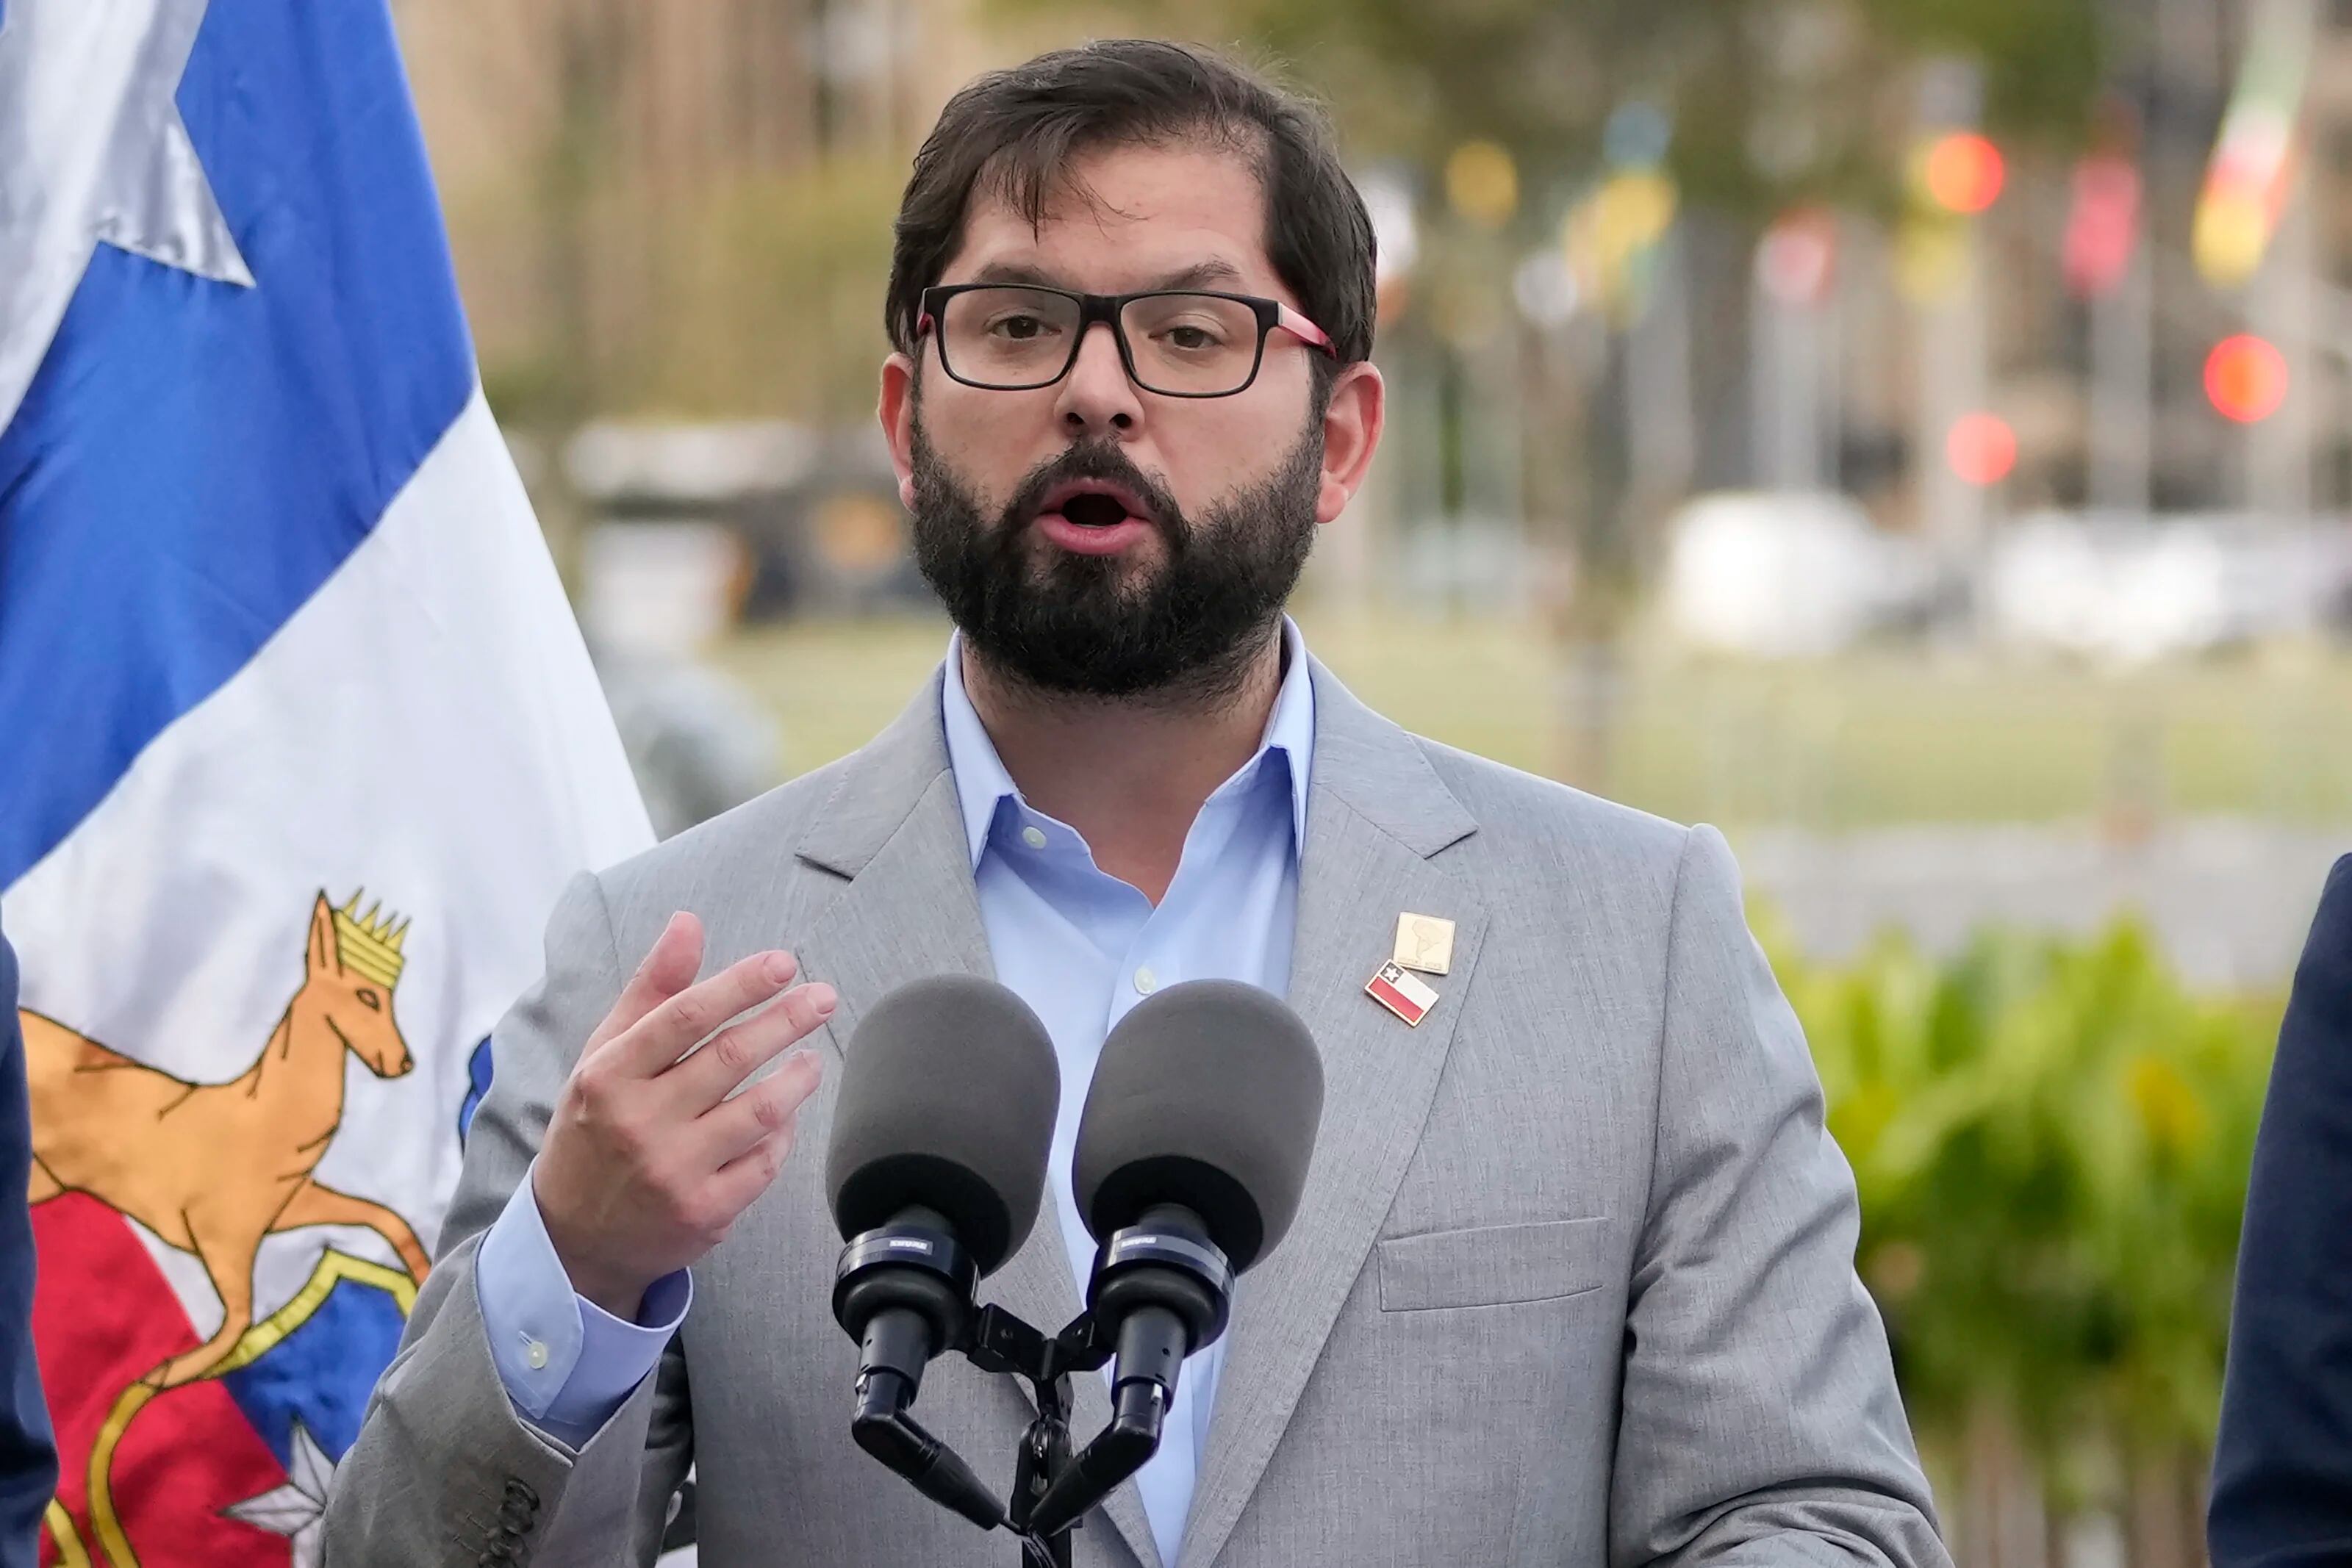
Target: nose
<point x="1096" y="397"/>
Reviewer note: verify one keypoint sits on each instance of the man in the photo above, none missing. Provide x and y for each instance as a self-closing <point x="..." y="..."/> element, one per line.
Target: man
<point x="1572" y="1280"/>
<point x="28" y="1459"/>
<point x="2282" y="1466"/>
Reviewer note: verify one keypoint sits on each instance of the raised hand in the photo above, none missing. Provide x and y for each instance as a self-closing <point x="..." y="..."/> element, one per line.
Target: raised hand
<point x="651" y="1154"/>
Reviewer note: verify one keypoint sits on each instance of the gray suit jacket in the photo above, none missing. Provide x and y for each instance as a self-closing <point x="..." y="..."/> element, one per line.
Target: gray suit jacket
<point x="1572" y="1281"/>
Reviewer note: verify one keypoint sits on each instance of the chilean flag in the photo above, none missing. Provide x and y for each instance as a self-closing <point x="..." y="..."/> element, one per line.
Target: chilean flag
<point x="300" y="742"/>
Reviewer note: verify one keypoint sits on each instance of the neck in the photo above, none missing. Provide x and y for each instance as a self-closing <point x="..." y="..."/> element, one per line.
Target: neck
<point x="302" y="1064"/>
<point x="1128" y="773"/>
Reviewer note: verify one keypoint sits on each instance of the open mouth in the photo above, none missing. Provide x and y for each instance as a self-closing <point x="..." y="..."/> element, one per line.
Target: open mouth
<point x="1092" y="504"/>
<point x="1095" y="510"/>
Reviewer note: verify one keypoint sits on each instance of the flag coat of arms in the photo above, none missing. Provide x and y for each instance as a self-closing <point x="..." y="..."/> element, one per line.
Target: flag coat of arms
<point x="300" y="744"/>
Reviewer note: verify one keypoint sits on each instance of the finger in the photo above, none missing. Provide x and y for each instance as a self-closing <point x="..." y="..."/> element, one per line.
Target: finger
<point x="667" y="968"/>
<point x="733" y="1128"/>
<point x="739" y="1182"/>
<point x="676" y="1026"/>
<point x="712" y="1074"/>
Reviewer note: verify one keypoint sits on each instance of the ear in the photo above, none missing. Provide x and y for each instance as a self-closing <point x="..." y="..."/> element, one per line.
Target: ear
<point x="1351" y="433"/>
<point x="323" y="956"/>
<point x="896" y="413"/>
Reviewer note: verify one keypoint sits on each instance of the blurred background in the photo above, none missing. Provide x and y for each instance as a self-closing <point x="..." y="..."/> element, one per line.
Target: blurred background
<point x="1910" y="433"/>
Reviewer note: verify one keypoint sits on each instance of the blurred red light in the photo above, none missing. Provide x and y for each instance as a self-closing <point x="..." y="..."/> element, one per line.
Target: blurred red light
<point x="1797" y="261"/>
<point x="1981" y="449"/>
<point x="2246" y="378"/>
<point x="2103" y="230"/>
<point x="1964" y="171"/>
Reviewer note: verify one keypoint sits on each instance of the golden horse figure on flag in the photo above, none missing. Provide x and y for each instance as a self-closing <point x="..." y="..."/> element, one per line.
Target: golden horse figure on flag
<point x="212" y="1168"/>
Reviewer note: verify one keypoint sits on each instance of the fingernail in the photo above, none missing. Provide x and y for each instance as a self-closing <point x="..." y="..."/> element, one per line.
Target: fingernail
<point x="676" y="916"/>
<point x="781" y="968"/>
<point x="823" y="1000"/>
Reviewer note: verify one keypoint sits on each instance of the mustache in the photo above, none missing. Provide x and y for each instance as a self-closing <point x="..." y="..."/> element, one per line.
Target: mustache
<point x="1105" y="464"/>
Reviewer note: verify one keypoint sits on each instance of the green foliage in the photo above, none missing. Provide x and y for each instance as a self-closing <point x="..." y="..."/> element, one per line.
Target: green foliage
<point x="2042" y="59"/>
<point x="754" y="292"/>
<point x="2051" y="1141"/>
<point x="769" y="295"/>
<point x="1826" y="79"/>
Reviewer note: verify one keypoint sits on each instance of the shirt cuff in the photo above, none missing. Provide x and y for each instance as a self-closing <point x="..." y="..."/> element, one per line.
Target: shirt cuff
<point x="567" y="1363"/>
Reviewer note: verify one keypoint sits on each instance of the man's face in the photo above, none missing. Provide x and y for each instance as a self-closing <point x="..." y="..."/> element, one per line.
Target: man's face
<point x="1092" y="537"/>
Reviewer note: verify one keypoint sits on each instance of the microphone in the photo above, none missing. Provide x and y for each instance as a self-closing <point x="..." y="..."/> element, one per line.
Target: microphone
<point x="1191" y="1154"/>
<point x="935" y="1172"/>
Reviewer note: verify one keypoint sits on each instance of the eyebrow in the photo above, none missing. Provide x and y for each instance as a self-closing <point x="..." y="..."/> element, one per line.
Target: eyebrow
<point x="1025" y="275"/>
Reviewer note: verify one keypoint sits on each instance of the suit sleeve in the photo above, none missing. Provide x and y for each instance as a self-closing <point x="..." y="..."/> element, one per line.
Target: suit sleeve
<point x="2282" y="1491"/>
<point x="1760" y="1422"/>
<point x="445" y="1469"/>
<point x="28" y="1460"/>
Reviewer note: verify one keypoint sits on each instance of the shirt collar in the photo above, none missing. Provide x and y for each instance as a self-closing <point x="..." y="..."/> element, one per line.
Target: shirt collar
<point x="982" y="783"/>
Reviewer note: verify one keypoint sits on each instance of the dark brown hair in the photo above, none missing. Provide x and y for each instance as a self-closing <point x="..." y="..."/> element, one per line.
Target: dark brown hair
<point x="1014" y="135"/>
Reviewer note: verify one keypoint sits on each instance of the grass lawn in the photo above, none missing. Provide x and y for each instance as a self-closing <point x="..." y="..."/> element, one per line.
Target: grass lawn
<point x="1866" y="739"/>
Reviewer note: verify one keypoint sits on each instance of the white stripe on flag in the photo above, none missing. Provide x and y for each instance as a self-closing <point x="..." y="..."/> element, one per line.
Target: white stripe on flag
<point x="427" y="727"/>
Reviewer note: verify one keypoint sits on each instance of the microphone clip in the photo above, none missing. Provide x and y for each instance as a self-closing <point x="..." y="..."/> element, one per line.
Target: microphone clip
<point x="1169" y="1291"/>
<point x="1161" y="1290"/>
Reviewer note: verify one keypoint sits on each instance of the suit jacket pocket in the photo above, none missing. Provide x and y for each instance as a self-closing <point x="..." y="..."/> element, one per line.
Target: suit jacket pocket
<point x="1493" y="1265"/>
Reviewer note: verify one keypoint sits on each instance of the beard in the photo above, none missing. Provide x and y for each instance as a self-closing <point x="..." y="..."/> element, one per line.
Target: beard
<point x="1183" y="631"/>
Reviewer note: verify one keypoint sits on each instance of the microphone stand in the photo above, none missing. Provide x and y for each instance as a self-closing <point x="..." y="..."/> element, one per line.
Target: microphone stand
<point x="1166" y="1283"/>
<point x="1002" y="1342"/>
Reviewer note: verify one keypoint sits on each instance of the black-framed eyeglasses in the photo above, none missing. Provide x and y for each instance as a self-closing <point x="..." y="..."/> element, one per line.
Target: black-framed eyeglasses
<point x="1175" y="342"/>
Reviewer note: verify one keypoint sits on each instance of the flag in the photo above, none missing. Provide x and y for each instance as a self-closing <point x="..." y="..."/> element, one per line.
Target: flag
<point x="1401" y="993"/>
<point x="298" y="743"/>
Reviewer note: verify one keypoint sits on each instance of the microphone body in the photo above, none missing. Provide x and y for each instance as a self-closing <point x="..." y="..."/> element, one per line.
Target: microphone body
<point x="936" y="1170"/>
<point x="1169" y="1291"/>
<point x="905" y="1312"/>
<point x="1191" y="1155"/>
<point x="905" y="1291"/>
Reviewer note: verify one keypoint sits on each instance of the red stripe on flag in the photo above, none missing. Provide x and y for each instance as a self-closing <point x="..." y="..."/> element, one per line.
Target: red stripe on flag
<point x="103" y="1316"/>
<point x="1390" y="995"/>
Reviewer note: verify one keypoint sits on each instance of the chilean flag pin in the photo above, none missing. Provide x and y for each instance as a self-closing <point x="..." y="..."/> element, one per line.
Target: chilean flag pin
<point x="1402" y="994"/>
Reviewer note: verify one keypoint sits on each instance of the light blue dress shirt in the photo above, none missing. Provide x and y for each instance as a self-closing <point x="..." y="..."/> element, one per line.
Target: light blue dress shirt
<point x="1081" y="948"/>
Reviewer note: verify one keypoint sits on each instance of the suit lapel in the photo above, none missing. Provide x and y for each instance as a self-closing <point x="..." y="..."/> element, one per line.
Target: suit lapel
<point x="1377" y="813"/>
<point x="894" y="828"/>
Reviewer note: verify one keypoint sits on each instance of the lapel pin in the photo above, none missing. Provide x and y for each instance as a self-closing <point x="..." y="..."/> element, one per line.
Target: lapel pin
<point x="1425" y="943"/>
<point x="1402" y="994"/>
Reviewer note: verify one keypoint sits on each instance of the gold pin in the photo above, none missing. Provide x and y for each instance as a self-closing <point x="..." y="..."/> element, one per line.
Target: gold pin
<point x="1425" y="943"/>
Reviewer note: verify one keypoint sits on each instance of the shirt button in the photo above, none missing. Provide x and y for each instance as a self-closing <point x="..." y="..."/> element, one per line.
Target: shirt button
<point x="1146" y="982"/>
<point x="1034" y="837"/>
<point x="536" y="1353"/>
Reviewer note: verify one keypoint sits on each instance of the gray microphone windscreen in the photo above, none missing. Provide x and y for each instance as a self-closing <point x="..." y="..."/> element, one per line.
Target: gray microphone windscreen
<point x="947" y="1103"/>
<point x="1207" y="1095"/>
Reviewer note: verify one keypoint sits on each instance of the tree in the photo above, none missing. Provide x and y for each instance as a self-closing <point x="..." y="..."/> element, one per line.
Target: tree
<point x="1410" y="81"/>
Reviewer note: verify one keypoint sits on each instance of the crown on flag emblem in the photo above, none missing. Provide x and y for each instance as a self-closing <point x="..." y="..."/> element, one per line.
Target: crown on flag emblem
<point x="370" y="946"/>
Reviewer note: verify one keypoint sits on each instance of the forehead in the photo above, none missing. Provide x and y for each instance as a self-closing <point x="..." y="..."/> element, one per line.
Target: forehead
<point x="1128" y="218"/>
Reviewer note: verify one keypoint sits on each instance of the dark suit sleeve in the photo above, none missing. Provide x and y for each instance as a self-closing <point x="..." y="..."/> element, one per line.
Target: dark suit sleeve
<point x="28" y="1460"/>
<point x="2282" y="1466"/>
